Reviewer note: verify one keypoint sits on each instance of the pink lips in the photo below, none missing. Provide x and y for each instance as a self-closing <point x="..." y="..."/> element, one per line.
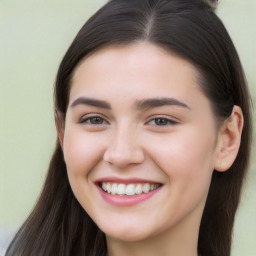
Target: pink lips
<point x="125" y="200"/>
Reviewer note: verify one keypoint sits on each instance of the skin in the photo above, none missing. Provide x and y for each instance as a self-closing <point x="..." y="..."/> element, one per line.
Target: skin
<point x="180" y="150"/>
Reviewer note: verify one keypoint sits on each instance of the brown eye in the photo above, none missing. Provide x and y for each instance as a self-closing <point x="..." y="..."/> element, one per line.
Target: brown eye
<point x="94" y="120"/>
<point x="162" y="121"/>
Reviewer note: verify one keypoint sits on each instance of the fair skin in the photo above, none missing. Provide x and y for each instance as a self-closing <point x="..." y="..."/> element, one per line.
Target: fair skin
<point x="115" y="133"/>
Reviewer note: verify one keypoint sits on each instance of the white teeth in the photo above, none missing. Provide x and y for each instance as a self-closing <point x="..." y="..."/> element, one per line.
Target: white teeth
<point x="129" y="189"/>
<point x="121" y="189"/>
<point x="114" y="189"/>
<point x="109" y="187"/>
<point x="146" y="188"/>
<point x="138" y="189"/>
<point x="104" y="186"/>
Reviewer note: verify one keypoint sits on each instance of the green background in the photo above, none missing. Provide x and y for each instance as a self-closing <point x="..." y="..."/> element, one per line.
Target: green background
<point x="34" y="36"/>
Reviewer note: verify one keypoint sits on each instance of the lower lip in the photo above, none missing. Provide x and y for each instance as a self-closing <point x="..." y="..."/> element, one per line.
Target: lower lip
<point x="126" y="200"/>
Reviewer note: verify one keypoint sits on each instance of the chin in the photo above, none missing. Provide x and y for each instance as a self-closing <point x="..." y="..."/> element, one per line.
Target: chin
<point x="128" y="237"/>
<point x="126" y="233"/>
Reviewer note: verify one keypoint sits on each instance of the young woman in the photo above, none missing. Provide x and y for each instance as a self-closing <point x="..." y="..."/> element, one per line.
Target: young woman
<point x="153" y="121"/>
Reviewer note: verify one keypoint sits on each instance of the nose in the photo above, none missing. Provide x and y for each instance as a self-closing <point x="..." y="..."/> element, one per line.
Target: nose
<point x="124" y="149"/>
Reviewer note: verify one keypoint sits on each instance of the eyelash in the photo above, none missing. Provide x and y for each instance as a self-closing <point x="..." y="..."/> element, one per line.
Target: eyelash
<point x="91" y="119"/>
<point x="88" y="120"/>
<point x="166" y="121"/>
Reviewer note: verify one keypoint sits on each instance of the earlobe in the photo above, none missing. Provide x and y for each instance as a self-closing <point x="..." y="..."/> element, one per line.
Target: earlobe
<point x="59" y="122"/>
<point x="229" y="139"/>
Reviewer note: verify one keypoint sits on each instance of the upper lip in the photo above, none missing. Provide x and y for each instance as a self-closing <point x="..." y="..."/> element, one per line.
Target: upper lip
<point x="125" y="180"/>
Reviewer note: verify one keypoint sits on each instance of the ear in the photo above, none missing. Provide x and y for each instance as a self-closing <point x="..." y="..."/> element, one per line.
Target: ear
<point x="229" y="139"/>
<point x="59" y="122"/>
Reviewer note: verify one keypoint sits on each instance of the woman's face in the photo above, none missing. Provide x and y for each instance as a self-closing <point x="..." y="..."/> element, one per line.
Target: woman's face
<point x="139" y="142"/>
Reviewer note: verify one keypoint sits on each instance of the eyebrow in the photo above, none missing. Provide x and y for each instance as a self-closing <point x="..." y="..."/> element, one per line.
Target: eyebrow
<point x="158" y="102"/>
<point x="141" y="104"/>
<point x="91" y="102"/>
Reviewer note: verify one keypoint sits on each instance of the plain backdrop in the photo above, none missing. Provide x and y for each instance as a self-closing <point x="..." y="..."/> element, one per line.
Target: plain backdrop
<point x="34" y="36"/>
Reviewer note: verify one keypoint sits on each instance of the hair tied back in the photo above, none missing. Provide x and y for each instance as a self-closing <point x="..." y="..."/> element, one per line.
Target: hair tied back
<point x="213" y="3"/>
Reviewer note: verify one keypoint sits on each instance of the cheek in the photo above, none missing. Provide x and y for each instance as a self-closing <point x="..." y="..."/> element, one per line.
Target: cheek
<point x="81" y="151"/>
<point x="187" y="158"/>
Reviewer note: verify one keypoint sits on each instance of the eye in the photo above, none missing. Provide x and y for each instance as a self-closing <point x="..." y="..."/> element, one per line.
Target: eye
<point x="93" y="120"/>
<point x="160" y="121"/>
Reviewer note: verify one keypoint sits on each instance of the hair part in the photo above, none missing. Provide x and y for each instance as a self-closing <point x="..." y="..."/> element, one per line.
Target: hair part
<point x="190" y="30"/>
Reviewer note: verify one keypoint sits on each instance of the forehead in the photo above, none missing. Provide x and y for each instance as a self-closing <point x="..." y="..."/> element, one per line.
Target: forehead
<point x="135" y="71"/>
<point x="134" y="60"/>
<point x="140" y="55"/>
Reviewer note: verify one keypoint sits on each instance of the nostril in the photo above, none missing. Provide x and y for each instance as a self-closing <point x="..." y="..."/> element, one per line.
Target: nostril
<point x="123" y="149"/>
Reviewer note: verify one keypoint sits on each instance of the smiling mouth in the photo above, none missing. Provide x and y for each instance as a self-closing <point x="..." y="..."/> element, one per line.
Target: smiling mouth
<point x="121" y="189"/>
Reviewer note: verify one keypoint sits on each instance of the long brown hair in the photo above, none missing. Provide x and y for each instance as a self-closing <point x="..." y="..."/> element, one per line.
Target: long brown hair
<point x="58" y="225"/>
